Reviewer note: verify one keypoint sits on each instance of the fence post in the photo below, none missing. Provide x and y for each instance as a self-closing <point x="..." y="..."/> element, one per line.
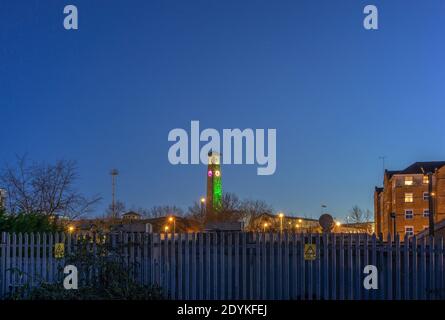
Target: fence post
<point x="237" y="287"/>
<point x="342" y="267"/>
<point x="358" y="270"/>
<point x="2" y="265"/>
<point x="397" y="268"/>
<point x="272" y="266"/>
<point x="431" y="262"/>
<point x="318" y="274"/>
<point x="365" y="262"/>
<point x="406" y="268"/>
<point x="350" y="269"/>
<point x="201" y="265"/>
<point x="286" y="266"/>
<point x="441" y="283"/>
<point x="258" y="274"/>
<point x="334" y="271"/>
<point x="414" y="267"/>
<point x="193" y="267"/>
<point x="208" y="266"/>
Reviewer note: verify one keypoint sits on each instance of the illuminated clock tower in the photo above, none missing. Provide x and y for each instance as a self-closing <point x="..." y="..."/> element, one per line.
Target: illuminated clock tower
<point x="214" y="185"/>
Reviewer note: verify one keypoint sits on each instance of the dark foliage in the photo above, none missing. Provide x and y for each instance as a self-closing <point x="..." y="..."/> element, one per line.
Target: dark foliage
<point x="103" y="274"/>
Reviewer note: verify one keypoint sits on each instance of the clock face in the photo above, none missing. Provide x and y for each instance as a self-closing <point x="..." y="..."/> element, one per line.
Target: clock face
<point x="214" y="159"/>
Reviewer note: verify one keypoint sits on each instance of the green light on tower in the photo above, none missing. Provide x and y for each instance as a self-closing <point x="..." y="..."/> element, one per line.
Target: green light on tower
<point x="217" y="190"/>
<point x="214" y="184"/>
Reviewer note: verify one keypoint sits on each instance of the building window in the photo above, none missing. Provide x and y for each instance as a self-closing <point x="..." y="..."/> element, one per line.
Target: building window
<point x="426" y="196"/>
<point x="408" y="181"/>
<point x="409" y="231"/>
<point x="426" y="213"/>
<point x="426" y="180"/>
<point x="409" y="197"/>
<point x="409" y="214"/>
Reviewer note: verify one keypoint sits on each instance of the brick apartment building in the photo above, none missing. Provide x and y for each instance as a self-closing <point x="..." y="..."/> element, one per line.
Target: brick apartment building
<point x="404" y="199"/>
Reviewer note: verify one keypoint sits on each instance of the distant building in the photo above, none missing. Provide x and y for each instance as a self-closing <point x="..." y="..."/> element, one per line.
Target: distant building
<point x="134" y="222"/>
<point x="272" y="223"/>
<point x="403" y="201"/>
<point x="131" y="215"/>
<point x="357" y="227"/>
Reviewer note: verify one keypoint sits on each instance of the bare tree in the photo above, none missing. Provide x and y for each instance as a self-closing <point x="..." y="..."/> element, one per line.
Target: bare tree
<point x="197" y="213"/>
<point x="232" y="209"/>
<point x="119" y="210"/>
<point x="357" y="215"/>
<point x="252" y="210"/>
<point x="46" y="189"/>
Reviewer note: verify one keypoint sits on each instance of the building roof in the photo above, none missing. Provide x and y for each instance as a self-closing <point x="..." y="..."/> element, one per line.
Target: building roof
<point x="131" y="213"/>
<point x="416" y="168"/>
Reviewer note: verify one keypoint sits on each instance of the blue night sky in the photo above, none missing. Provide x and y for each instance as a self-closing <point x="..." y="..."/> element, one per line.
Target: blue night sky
<point x="339" y="96"/>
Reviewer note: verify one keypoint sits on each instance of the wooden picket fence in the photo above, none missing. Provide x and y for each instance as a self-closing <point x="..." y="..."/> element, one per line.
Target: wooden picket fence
<point x="246" y="265"/>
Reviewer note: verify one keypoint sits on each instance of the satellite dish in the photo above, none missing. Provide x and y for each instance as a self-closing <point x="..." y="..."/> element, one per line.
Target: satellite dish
<point x="326" y="222"/>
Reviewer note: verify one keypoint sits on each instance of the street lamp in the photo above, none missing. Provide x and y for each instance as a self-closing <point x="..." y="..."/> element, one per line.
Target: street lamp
<point x="172" y="219"/>
<point x="265" y="225"/>
<point x="71" y="229"/>
<point x="203" y="202"/>
<point x="166" y="229"/>
<point x="281" y="215"/>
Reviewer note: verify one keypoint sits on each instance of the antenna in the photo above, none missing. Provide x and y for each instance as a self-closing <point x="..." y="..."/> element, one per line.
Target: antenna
<point x="383" y="162"/>
<point x="114" y="173"/>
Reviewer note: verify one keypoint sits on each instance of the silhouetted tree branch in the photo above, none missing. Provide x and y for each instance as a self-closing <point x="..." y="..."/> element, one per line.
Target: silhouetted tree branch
<point x="46" y="189"/>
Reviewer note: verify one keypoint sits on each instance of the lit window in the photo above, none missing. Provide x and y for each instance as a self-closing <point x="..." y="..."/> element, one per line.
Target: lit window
<point x="426" y="196"/>
<point x="426" y="213"/>
<point x="409" y="230"/>
<point x="408" y="181"/>
<point x="409" y="197"/>
<point x="409" y="214"/>
<point x="426" y="180"/>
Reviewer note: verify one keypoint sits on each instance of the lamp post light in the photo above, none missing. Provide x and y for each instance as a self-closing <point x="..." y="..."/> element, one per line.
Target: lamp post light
<point x="166" y="229"/>
<point x="281" y="215"/>
<point x="265" y="225"/>
<point x="203" y="203"/>
<point x="71" y="229"/>
<point x="172" y="219"/>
